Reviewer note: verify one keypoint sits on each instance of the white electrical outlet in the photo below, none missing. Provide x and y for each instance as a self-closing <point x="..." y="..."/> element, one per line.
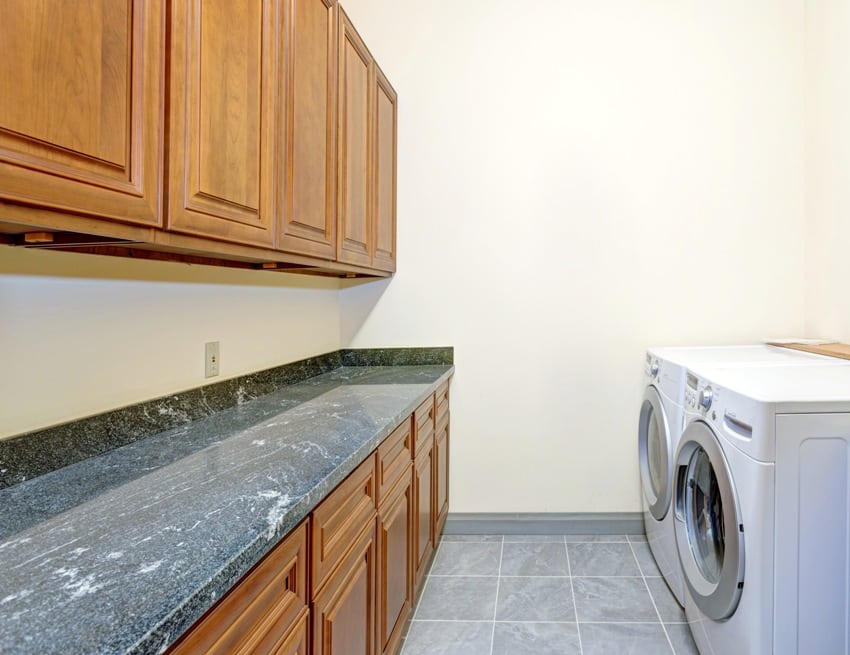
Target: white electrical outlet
<point x="211" y="359"/>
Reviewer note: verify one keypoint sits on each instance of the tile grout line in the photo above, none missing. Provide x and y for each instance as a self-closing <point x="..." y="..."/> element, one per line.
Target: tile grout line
<point x="496" y="602"/>
<point x="652" y="599"/>
<point x="573" y="594"/>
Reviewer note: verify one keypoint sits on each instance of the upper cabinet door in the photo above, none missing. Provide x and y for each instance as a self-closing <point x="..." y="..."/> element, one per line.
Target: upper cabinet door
<point x="354" y="178"/>
<point x="309" y="216"/>
<point x="225" y="69"/>
<point x="81" y="106"/>
<point x="384" y="209"/>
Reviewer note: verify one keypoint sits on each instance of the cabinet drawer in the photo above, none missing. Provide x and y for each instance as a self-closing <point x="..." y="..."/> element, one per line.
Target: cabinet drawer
<point x="394" y="456"/>
<point x="260" y="609"/>
<point x="441" y="399"/>
<point x="340" y="518"/>
<point x="423" y="426"/>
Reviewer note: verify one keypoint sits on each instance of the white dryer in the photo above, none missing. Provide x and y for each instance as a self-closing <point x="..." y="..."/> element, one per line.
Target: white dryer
<point x="762" y="510"/>
<point x="660" y="426"/>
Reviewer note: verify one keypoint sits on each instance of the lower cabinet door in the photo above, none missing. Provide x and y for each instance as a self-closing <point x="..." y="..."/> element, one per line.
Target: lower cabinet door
<point x="423" y="479"/>
<point x="395" y="563"/>
<point x="441" y="478"/>
<point x="344" y="610"/>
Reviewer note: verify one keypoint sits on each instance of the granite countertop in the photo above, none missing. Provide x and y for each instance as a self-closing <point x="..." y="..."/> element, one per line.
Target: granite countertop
<point x="122" y="552"/>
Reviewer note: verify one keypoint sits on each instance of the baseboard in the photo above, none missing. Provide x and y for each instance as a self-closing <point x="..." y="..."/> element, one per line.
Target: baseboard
<point x="546" y="523"/>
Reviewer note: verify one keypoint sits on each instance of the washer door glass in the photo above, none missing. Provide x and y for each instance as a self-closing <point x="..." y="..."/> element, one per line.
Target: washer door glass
<point x="655" y="454"/>
<point x="709" y="530"/>
<point x="704" y="516"/>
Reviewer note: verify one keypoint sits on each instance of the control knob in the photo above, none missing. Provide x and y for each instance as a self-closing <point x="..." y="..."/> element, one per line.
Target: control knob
<point x="653" y="369"/>
<point x="705" y="397"/>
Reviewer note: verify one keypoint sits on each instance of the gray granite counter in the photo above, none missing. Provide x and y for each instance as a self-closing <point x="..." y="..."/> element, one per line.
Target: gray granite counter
<point x="122" y="552"/>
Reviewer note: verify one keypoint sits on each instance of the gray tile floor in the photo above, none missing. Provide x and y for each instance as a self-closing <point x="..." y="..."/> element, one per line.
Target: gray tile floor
<point x="546" y="595"/>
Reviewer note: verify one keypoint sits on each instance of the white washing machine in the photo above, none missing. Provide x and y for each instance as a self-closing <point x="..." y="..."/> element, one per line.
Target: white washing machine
<point x="762" y="510"/>
<point x="660" y="426"/>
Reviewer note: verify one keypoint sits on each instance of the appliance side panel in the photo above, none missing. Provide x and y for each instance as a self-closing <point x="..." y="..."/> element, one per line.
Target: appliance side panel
<point x="812" y="534"/>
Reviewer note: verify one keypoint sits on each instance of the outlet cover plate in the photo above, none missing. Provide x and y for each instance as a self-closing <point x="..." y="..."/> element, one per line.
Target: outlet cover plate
<point x="211" y="359"/>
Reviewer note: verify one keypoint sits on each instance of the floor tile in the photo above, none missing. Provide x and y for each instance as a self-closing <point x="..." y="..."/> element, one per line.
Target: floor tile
<point x="597" y="559"/>
<point x="448" y="638"/>
<point x="526" y="538"/>
<point x="668" y="608"/>
<point x="536" y="639"/>
<point x="535" y="599"/>
<point x="534" y="559"/>
<point x="458" y="598"/>
<point x="613" y="599"/>
<point x="680" y="635"/>
<point x="467" y="558"/>
<point x="636" y="537"/>
<point x="646" y="561"/>
<point x="579" y="538"/>
<point x="472" y="537"/>
<point x="624" y="639"/>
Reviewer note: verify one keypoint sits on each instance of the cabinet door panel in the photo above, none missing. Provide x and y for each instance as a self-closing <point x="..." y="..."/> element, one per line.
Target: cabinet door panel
<point x="225" y="68"/>
<point x="441" y="478"/>
<point x="81" y="117"/>
<point x="343" y="612"/>
<point x="423" y="481"/>
<point x="354" y="177"/>
<point x="395" y="575"/>
<point x="308" y="215"/>
<point x="384" y="228"/>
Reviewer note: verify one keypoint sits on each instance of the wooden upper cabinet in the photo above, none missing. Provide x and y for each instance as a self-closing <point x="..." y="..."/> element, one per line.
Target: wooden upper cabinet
<point x="225" y="80"/>
<point x="81" y="118"/>
<point x="308" y="223"/>
<point x="354" y="159"/>
<point x="384" y="208"/>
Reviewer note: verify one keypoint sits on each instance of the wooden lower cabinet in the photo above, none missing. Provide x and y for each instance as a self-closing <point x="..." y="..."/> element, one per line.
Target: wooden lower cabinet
<point x="395" y="563"/>
<point x="366" y="562"/>
<point x="344" y="610"/>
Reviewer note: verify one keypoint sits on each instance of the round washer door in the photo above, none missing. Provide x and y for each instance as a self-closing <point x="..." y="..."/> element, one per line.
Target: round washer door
<point x="709" y="532"/>
<point x="655" y="452"/>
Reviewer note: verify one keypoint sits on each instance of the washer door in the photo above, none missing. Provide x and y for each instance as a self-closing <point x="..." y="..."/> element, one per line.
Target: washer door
<point x="709" y="532"/>
<point x="656" y="456"/>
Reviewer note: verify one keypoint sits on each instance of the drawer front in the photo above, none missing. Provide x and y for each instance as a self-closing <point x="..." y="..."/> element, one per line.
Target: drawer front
<point x="423" y="426"/>
<point x="441" y="399"/>
<point x="340" y="518"/>
<point x="261" y="608"/>
<point x="394" y="456"/>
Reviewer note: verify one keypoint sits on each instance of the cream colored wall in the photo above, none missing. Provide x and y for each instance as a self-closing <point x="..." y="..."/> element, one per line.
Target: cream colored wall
<point x="828" y="167"/>
<point x="81" y="334"/>
<point x="579" y="180"/>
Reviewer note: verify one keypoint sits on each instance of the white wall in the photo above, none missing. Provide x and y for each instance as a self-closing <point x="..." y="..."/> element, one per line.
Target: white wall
<point x="828" y="167"/>
<point x="578" y="180"/>
<point x="81" y="334"/>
